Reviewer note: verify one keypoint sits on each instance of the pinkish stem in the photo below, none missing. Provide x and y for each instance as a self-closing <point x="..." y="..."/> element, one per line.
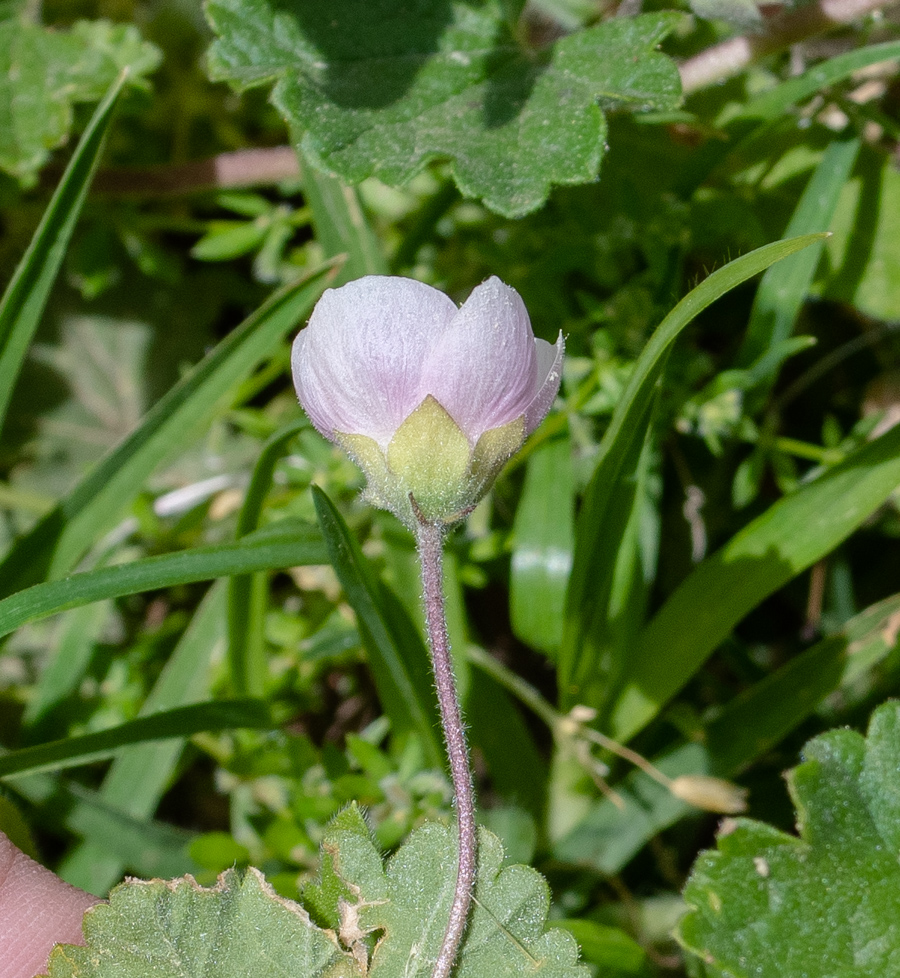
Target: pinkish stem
<point x="429" y="538"/>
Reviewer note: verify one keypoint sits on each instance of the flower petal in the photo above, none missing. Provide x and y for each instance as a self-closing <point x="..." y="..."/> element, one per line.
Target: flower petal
<point x="358" y="363"/>
<point x="549" y="372"/>
<point x="483" y="369"/>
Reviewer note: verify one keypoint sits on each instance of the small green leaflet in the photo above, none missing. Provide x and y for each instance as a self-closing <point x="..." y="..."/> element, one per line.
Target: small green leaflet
<point x="767" y="904"/>
<point x="377" y="88"/>
<point x="387" y="919"/>
<point x="177" y="929"/>
<point x="43" y="73"/>
<point x="406" y="901"/>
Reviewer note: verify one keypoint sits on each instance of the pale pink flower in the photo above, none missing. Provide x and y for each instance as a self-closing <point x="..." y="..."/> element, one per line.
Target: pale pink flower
<point x="428" y="398"/>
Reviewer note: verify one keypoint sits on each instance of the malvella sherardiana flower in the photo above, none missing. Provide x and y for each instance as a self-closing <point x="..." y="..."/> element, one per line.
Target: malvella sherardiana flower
<point x="429" y="399"/>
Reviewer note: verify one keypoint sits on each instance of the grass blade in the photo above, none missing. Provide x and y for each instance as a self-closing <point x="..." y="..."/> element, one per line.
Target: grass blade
<point x="179" y="723"/>
<point x="773" y="104"/>
<point x="397" y="654"/>
<point x="286" y="544"/>
<point x="750" y="128"/>
<point x="785" y="286"/>
<point x="341" y="226"/>
<point x="65" y="671"/>
<point x="790" y="536"/>
<point x="619" y="453"/>
<point x="761" y="717"/>
<point x="542" y="547"/>
<point x="749" y="726"/>
<point x="246" y="592"/>
<point x="140" y="774"/>
<point x="26" y="295"/>
<point x="53" y="546"/>
<point x="146" y="847"/>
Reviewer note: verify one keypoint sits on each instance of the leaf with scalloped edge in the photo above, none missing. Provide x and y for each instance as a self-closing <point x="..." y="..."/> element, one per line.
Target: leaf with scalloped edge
<point x="387" y="919"/>
<point x="44" y="72"/>
<point x="767" y="904"/>
<point x="405" y="903"/>
<point x="177" y="929"/>
<point x="380" y="88"/>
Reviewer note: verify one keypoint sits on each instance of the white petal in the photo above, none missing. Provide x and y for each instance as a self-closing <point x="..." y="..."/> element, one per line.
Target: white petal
<point x="549" y="372"/>
<point x="483" y="369"/>
<point x="358" y="363"/>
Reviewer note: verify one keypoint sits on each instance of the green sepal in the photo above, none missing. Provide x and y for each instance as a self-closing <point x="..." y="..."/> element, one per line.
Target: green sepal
<point x="368" y="455"/>
<point x="494" y="449"/>
<point x="429" y="455"/>
<point x="430" y="458"/>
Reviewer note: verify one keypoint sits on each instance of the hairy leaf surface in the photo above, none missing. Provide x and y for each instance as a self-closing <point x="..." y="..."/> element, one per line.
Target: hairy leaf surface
<point x="768" y="904"/>
<point x="383" y="919"/>
<point x="406" y="902"/>
<point x="376" y="88"/>
<point x="176" y="929"/>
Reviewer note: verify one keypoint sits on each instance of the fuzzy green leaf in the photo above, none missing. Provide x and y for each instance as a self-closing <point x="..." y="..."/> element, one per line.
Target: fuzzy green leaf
<point x="376" y="88"/>
<point x="406" y="901"/>
<point x="767" y="904"/>
<point x="241" y="927"/>
<point x="178" y="929"/>
<point x="43" y="73"/>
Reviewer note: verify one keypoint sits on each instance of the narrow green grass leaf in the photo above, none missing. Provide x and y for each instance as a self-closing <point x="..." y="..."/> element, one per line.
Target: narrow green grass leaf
<point x="15" y="827"/>
<point x="750" y="128"/>
<point x="398" y="658"/>
<point x="26" y="295"/>
<point x="517" y="770"/>
<point x="611" y="833"/>
<point x="141" y="773"/>
<point x="619" y="452"/>
<point x="543" y="538"/>
<point x="181" y="722"/>
<point x="341" y="225"/>
<point x="70" y="661"/>
<point x="246" y="592"/>
<point x="762" y="716"/>
<point x="785" y="286"/>
<point x="625" y="565"/>
<point x="286" y="544"/>
<point x="147" y="847"/>
<point x="608" y="837"/>
<point x="789" y="537"/>
<point x="57" y="541"/>
<point x="774" y="103"/>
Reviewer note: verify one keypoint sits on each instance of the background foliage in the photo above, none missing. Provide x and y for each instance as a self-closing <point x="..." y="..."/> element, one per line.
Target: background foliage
<point x="205" y="662"/>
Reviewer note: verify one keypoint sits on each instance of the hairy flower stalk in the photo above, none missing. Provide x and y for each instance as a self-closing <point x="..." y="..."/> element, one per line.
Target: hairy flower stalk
<point x="429" y="538"/>
<point x="430" y="400"/>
